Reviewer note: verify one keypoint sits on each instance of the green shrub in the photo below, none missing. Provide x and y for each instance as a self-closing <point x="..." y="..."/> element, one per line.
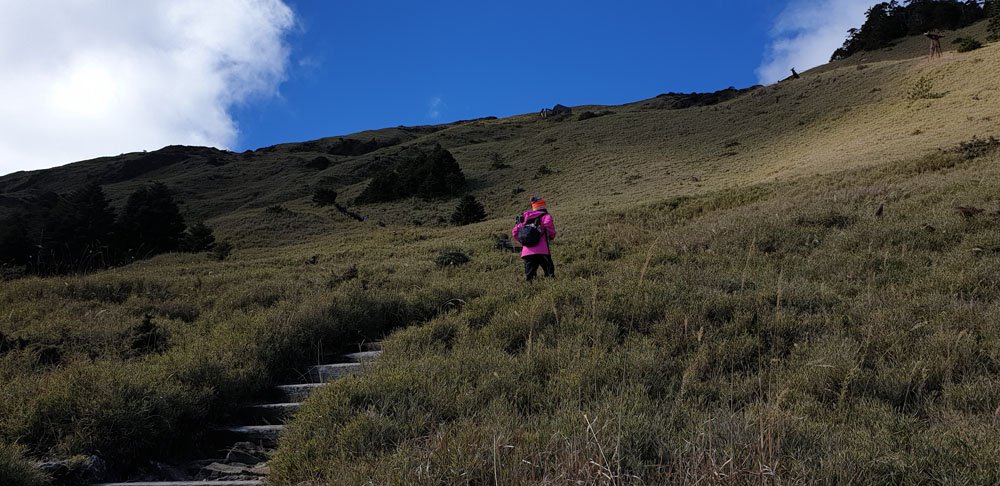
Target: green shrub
<point x="429" y="174"/>
<point x="198" y="238"/>
<point x="449" y="258"/>
<point x="497" y="161"/>
<point x="468" y="211"/>
<point x="590" y="114"/>
<point x="16" y="469"/>
<point x="221" y="250"/>
<point x="324" y="196"/>
<point x="967" y="44"/>
<point x="923" y="89"/>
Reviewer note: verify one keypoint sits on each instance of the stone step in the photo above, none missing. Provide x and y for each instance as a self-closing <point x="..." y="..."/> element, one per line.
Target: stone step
<point x="268" y="413"/>
<point x="299" y="392"/>
<point x="371" y="346"/>
<point x="327" y="372"/>
<point x="266" y="435"/>
<point x="362" y="356"/>
<point x="249" y="482"/>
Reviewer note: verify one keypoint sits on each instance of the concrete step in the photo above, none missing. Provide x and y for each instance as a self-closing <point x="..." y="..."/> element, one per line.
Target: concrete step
<point x="362" y="356"/>
<point x="251" y="482"/>
<point x="266" y="435"/>
<point x="267" y="413"/>
<point x="371" y="346"/>
<point x="299" y="392"/>
<point x="327" y="372"/>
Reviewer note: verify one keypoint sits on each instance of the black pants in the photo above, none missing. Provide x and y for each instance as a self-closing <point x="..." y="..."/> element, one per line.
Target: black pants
<point x="532" y="262"/>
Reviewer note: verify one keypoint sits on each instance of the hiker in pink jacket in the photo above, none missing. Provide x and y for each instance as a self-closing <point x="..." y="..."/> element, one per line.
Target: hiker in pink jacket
<point x="536" y="224"/>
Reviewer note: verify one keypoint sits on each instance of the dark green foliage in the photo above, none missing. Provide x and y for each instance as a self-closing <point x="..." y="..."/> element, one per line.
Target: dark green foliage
<point x="468" y="211"/>
<point x="319" y="163"/>
<point x="15" y="469"/>
<point x="992" y="8"/>
<point x="148" y="337"/>
<point x="451" y="257"/>
<point x="431" y="174"/>
<point x="966" y="44"/>
<point x="198" y="238"/>
<point x="78" y="230"/>
<point x="497" y="161"/>
<point x="16" y="246"/>
<point x="221" y="250"/>
<point x="889" y="21"/>
<point x="545" y="170"/>
<point x="150" y="223"/>
<point x="590" y="114"/>
<point x="324" y="196"/>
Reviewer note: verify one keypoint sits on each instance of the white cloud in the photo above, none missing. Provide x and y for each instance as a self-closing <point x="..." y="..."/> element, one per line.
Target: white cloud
<point x="86" y="78"/>
<point x="434" y="107"/>
<point x="807" y="32"/>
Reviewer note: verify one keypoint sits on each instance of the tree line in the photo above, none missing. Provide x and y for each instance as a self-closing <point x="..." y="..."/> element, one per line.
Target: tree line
<point x="888" y="21"/>
<point x="82" y="232"/>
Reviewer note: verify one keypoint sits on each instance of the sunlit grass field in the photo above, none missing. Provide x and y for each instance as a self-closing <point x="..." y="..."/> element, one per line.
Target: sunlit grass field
<point x="729" y="307"/>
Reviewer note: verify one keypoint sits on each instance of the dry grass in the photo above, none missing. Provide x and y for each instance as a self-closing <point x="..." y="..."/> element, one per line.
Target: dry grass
<point x="729" y="310"/>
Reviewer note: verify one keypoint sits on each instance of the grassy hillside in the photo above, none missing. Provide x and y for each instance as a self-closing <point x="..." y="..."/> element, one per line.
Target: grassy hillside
<point x="728" y="307"/>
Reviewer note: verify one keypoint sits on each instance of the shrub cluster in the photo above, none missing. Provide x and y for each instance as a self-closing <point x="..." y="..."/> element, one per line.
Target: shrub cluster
<point x="430" y="174"/>
<point x="967" y="44"/>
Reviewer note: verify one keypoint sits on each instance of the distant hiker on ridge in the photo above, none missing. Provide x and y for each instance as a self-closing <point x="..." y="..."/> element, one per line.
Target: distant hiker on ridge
<point x="535" y="229"/>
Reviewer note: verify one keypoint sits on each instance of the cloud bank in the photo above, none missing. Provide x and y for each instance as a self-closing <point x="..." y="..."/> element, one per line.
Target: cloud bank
<point x="807" y="32"/>
<point x="86" y="78"/>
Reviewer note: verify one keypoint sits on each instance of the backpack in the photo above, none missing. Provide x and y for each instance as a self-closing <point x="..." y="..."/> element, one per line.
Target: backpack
<point x="531" y="232"/>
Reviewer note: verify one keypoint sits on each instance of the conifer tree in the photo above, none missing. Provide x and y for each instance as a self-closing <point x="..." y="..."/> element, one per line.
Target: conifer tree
<point x="150" y="223"/>
<point x="16" y="246"/>
<point x="468" y="211"/>
<point x="198" y="237"/>
<point x="78" y="231"/>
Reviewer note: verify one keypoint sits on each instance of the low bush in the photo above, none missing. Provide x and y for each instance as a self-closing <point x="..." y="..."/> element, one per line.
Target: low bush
<point x="222" y="250"/>
<point x="966" y="44"/>
<point x="324" y="196"/>
<point x="923" y="89"/>
<point x="497" y="161"/>
<point x="468" y="211"/>
<point x="587" y="115"/>
<point x="451" y="258"/>
<point x="16" y="469"/>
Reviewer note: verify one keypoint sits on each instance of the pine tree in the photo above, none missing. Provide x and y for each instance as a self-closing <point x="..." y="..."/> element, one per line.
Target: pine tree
<point x="468" y="211"/>
<point x="16" y="247"/>
<point x="150" y="223"/>
<point x="198" y="238"/>
<point x="78" y="231"/>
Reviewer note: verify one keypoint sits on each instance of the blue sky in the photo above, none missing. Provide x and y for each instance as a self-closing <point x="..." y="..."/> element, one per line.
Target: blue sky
<point x="361" y="64"/>
<point x="91" y="78"/>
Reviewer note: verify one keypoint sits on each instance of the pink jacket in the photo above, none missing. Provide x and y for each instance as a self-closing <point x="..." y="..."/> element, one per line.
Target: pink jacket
<point x="548" y="228"/>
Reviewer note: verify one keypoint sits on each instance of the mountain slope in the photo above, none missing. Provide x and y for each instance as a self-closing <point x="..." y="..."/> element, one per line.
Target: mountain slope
<point x="795" y="285"/>
<point x="837" y="116"/>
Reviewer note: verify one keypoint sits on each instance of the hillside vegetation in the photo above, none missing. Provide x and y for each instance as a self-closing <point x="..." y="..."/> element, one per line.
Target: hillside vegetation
<point x="774" y="287"/>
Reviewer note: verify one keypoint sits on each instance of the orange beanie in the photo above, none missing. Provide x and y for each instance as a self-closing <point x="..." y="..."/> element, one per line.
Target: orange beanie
<point x="537" y="204"/>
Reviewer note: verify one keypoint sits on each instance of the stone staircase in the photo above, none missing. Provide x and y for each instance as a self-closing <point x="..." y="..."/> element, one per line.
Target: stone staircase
<point x="243" y="448"/>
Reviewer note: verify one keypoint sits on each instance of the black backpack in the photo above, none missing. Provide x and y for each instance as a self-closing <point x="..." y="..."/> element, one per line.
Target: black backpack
<point x="531" y="232"/>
